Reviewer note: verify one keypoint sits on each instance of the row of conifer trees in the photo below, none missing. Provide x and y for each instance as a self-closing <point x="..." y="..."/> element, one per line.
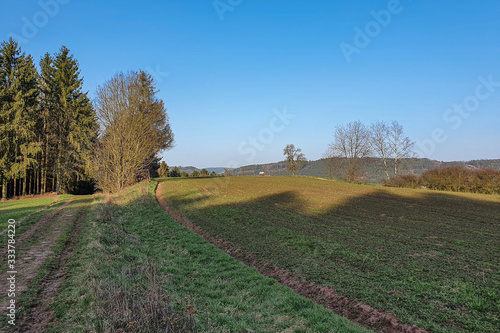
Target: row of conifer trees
<point x="47" y="123"/>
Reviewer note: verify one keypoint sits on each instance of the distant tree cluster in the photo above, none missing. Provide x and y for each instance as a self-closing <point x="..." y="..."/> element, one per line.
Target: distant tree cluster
<point x="176" y="172"/>
<point x="355" y="142"/>
<point x="48" y="126"/>
<point x="164" y="170"/>
<point x="454" y="178"/>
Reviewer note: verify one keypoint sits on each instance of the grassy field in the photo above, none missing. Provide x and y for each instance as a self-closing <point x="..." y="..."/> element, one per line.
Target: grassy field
<point x="432" y="258"/>
<point x="134" y="268"/>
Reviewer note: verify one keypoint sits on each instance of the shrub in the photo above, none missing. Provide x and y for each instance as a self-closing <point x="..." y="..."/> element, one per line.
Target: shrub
<point x="460" y="179"/>
<point x="484" y="181"/>
<point x="410" y="181"/>
<point x="454" y="178"/>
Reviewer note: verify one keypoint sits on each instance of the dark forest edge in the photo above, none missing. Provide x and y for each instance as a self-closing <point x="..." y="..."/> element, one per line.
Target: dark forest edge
<point x="48" y="125"/>
<point x="54" y="139"/>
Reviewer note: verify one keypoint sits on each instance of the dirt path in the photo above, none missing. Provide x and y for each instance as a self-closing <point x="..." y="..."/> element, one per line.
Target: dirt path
<point x="353" y="309"/>
<point x="33" y="247"/>
<point x="36" y="318"/>
<point x="35" y="212"/>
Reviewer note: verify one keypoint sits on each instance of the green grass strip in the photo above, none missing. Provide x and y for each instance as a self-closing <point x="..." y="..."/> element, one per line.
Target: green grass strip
<point x="117" y="239"/>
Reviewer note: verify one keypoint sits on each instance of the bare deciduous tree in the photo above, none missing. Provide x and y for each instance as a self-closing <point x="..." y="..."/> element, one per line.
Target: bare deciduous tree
<point x="330" y="162"/>
<point x="401" y="146"/>
<point x="352" y="143"/>
<point x="380" y="143"/>
<point x="134" y="127"/>
<point x="390" y="144"/>
<point x="294" y="157"/>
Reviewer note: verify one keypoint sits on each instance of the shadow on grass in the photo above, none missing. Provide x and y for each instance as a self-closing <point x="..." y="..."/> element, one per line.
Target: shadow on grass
<point x="431" y="258"/>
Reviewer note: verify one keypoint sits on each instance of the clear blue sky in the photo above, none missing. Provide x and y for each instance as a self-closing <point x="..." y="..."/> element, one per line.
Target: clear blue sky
<point x="223" y="70"/>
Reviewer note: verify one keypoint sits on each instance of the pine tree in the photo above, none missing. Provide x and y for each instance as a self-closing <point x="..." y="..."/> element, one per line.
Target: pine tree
<point x="164" y="171"/>
<point x="18" y="107"/>
<point x="9" y="53"/>
<point x="26" y="109"/>
<point x="72" y="119"/>
<point x="46" y="121"/>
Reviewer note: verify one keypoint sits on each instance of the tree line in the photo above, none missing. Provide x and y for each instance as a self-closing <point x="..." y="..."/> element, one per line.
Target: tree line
<point x="355" y="145"/>
<point x="47" y="123"/>
<point x="164" y="171"/>
<point x="352" y="146"/>
<point x="54" y="139"/>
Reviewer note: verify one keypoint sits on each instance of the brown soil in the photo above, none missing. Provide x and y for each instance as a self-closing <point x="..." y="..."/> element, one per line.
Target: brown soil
<point x="35" y="228"/>
<point x="353" y="309"/>
<point x="37" y="317"/>
<point x="30" y="257"/>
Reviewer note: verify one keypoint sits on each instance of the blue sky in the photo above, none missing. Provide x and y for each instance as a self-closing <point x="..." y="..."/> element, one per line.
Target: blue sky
<point x="241" y="79"/>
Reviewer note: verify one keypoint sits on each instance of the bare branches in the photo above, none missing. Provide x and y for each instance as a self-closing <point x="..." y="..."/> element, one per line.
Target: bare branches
<point x="380" y="143"/>
<point x="391" y="145"/>
<point x="352" y="143"/>
<point x="401" y="146"/>
<point x="134" y="127"/>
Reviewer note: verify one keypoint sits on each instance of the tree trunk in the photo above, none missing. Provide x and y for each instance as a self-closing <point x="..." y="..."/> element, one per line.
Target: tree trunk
<point x="386" y="169"/>
<point x="44" y="166"/>
<point x="351" y="175"/>
<point x="36" y="185"/>
<point x="23" y="182"/>
<point x="4" y="188"/>
<point x="58" y="168"/>
<point x="15" y="181"/>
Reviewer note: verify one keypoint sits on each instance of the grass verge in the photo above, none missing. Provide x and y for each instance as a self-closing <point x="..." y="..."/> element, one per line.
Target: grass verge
<point x="134" y="266"/>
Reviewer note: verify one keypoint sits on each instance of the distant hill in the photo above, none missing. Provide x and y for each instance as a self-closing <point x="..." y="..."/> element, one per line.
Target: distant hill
<point x="372" y="168"/>
<point x="190" y="169"/>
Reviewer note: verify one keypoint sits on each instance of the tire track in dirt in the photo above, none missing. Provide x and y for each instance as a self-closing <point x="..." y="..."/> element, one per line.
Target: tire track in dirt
<point x="54" y="202"/>
<point x="353" y="309"/>
<point x="37" y="226"/>
<point x="37" y="317"/>
<point x="30" y="257"/>
<point x="41" y="223"/>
